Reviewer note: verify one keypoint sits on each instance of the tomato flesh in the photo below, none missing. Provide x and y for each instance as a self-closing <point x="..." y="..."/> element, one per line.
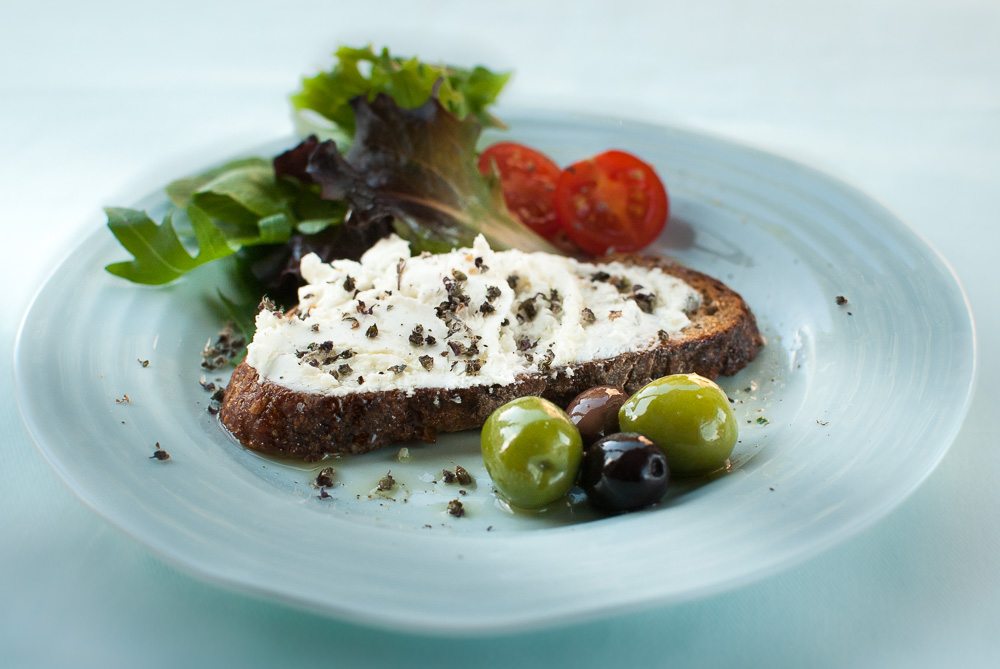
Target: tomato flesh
<point x="612" y="202"/>
<point x="528" y="183"/>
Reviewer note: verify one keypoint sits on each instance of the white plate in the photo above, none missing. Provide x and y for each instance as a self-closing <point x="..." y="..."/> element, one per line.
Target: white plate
<point x="860" y="401"/>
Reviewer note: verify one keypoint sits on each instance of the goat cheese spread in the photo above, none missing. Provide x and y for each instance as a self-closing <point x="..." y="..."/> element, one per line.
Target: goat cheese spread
<point x="470" y="317"/>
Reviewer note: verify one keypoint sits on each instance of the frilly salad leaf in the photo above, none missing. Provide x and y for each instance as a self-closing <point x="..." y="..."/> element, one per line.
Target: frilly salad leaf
<point x="419" y="167"/>
<point x="323" y="103"/>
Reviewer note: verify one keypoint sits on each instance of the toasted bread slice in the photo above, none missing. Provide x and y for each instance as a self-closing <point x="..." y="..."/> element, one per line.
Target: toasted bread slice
<point x="268" y="415"/>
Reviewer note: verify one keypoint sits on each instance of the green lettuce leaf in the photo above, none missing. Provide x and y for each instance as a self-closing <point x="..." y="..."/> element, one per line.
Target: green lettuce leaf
<point x="323" y="101"/>
<point x="418" y="166"/>
<point x="251" y="204"/>
<point x="247" y="204"/>
<point x="181" y="190"/>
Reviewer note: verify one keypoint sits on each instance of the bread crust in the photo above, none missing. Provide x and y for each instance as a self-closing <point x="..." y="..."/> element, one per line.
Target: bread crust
<point x="265" y="416"/>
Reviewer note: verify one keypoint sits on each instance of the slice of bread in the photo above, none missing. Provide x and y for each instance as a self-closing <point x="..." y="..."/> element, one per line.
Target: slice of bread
<point x="265" y="413"/>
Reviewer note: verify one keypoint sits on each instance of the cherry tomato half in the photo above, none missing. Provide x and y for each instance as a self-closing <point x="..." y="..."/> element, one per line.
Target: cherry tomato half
<point x="528" y="182"/>
<point x="611" y="202"/>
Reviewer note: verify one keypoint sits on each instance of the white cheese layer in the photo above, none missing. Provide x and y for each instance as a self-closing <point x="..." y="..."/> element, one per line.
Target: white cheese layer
<point x="470" y="317"/>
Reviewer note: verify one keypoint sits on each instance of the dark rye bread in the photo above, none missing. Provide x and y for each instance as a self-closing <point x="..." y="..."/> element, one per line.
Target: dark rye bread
<point x="267" y="417"/>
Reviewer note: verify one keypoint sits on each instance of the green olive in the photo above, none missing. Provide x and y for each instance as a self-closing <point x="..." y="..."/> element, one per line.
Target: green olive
<point x="532" y="451"/>
<point x="688" y="417"/>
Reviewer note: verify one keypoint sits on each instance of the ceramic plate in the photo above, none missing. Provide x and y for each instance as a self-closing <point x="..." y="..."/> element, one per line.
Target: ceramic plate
<point x="847" y="409"/>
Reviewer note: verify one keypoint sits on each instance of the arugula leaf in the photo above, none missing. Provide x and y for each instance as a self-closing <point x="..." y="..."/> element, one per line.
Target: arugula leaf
<point x="408" y="81"/>
<point x="159" y="256"/>
<point x="419" y="167"/>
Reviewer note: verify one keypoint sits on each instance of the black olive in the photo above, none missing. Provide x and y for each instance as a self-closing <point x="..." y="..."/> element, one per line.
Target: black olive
<point x="624" y="472"/>
<point x="595" y="412"/>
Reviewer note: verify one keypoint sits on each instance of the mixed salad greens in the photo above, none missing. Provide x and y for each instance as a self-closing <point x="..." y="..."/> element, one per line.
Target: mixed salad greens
<point x="389" y="145"/>
<point x="398" y="152"/>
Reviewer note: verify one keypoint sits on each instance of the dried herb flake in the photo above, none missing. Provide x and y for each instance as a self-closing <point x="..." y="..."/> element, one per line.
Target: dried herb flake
<point x="386" y="483"/>
<point x="325" y="477"/>
<point x="462" y="475"/>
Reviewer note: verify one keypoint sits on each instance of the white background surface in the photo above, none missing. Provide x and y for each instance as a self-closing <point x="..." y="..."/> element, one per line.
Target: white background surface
<point x="901" y="99"/>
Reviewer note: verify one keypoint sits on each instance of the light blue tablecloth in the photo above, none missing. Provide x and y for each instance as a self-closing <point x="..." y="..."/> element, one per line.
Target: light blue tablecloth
<point x="901" y="99"/>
